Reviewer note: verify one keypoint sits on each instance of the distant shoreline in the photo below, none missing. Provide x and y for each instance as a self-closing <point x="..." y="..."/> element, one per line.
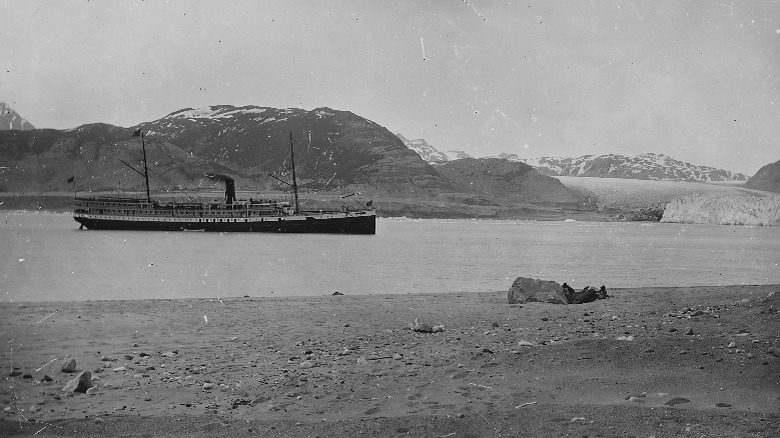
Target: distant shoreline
<point x="59" y="202"/>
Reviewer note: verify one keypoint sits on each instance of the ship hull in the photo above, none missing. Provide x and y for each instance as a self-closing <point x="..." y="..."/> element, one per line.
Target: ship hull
<point x="336" y="223"/>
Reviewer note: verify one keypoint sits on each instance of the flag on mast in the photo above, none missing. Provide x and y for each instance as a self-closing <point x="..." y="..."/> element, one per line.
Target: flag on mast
<point x="137" y="132"/>
<point x="71" y="179"/>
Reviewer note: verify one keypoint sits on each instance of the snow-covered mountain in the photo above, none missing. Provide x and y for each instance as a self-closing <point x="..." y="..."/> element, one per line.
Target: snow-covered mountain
<point x="430" y="153"/>
<point x="11" y="120"/>
<point x="644" y="166"/>
<point x="648" y="166"/>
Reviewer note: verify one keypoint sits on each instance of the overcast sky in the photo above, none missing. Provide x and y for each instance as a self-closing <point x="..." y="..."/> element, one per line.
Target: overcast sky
<point x="695" y="80"/>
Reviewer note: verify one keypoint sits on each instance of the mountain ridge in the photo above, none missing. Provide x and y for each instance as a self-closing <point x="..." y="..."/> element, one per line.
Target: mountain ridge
<point x="651" y="166"/>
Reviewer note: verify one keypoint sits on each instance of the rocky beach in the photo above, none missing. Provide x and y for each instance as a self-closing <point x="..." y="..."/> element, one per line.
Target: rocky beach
<point x="694" y="361"/>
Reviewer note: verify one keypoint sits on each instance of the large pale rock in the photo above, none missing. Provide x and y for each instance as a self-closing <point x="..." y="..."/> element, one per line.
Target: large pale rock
<point x="526" y="290"/>
<point x="81" y="383"/>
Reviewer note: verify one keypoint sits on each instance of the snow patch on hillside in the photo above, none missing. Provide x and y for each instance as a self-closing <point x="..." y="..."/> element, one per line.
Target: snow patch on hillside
<point x="724" y="210"/>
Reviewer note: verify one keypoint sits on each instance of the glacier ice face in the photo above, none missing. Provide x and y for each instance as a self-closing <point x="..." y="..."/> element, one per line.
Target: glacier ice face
<point x="724" y="210"/>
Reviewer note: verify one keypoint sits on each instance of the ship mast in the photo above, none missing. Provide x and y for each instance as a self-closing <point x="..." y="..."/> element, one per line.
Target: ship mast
<point x="136" y="133"/>
<point x="292" y="162"/>
<point x="146" y="170"/>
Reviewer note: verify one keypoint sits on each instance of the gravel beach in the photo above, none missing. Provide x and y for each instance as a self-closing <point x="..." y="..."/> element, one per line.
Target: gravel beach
<point x="693" y="361"/>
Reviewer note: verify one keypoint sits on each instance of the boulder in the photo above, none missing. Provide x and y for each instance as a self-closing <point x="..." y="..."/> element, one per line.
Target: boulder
<point x="81" y="383"/>
<point x="526" y="290"/>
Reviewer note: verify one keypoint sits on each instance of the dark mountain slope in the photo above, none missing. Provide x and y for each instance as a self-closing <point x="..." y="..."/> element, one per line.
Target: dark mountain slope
<point x="767" y="178"/>
<point x="496" y="177"/>
<point x="334" y="150"/>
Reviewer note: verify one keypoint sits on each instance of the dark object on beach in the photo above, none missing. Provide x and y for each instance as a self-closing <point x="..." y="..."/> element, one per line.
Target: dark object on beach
<point x="586" y="295"/>
<point x="568" y="291"/>
<point x="603" y="293"/>
<point x="337" y="293"/>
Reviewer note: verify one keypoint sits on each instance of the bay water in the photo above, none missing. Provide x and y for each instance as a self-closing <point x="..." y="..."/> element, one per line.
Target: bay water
<point x="45" y="257"/>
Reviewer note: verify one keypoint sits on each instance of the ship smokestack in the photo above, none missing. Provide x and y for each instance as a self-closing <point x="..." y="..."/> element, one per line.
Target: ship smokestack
<point x="230" y="190"/>
<point x="230" y="186"/>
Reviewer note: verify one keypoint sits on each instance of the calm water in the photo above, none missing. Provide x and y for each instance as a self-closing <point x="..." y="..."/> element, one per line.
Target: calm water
<point x="44" y="257"/>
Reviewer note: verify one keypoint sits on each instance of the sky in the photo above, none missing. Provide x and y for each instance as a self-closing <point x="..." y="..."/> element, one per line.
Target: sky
<point x="695" y="80"/>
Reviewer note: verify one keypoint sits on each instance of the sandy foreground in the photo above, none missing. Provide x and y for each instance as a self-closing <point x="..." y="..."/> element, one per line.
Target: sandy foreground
<point x="698" y="361"/>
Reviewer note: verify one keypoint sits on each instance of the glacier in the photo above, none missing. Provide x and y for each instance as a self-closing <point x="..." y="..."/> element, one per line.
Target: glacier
<point x="701" y="208"/>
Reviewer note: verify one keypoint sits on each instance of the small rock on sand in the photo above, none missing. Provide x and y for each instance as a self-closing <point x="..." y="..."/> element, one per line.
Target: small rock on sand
<point x="677" y="401"/>
<point x="69" y="365"/>
<point x="425" y="327"/>
<point x="80" y="383"/>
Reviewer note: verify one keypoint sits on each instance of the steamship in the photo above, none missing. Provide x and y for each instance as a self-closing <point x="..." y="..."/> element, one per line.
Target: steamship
<point x="230" y="215"/>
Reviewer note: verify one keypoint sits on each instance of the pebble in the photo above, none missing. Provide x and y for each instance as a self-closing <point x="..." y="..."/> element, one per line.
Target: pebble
<point x="625" y="338"/>
<point x="689" y="331"/>
<point x="731" y="345"/>
<point x="525" y="344"/>
<point x="119" y="369"/>
<point x="207" y="386"/>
